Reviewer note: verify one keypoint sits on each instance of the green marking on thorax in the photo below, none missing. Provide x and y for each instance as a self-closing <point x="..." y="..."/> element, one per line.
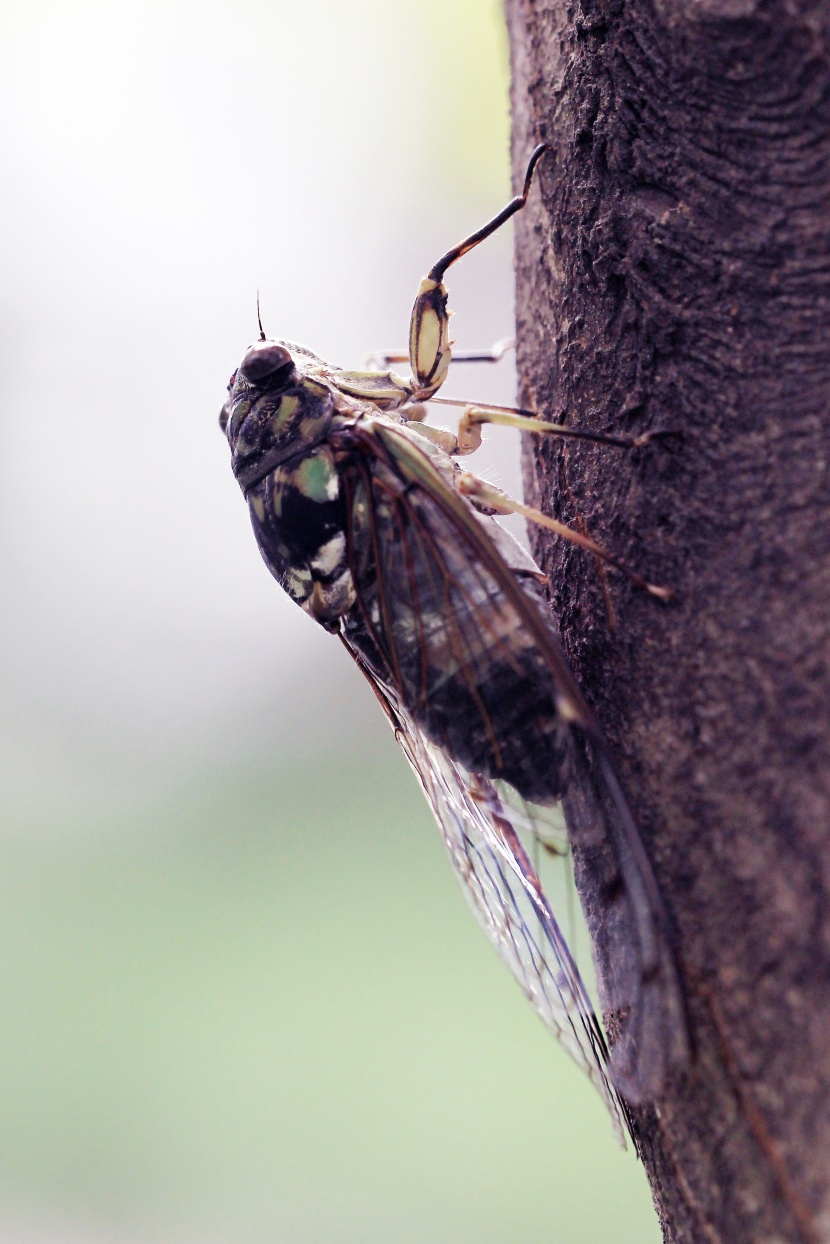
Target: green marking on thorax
<point x="285" y="411"/>
<point x="313" y="388"/>
<point x="314" y="478"/>
<point x="308" y="427"/>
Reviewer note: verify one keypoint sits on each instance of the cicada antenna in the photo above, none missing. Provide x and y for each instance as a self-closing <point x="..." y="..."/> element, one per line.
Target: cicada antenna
<point x="259" y="319"/>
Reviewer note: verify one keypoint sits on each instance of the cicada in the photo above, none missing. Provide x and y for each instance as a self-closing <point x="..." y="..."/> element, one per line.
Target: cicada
<point x="364" y="516"/>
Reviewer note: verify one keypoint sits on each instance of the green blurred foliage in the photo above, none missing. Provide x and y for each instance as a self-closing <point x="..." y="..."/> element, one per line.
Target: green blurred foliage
<point x="269" y="1016"/>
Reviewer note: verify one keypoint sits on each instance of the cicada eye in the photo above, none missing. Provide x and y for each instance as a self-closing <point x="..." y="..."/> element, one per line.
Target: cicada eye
<point x="265" y="363"/>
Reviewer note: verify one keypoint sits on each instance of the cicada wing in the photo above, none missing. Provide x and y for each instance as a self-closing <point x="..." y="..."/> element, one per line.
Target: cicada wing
<point x="443" y="598"/>
<point x="642" y="998"/>
<point x="477" y="824"/>
<point x="443" y="619"/>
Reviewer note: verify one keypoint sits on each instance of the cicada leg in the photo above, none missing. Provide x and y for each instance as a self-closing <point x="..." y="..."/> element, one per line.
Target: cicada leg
<point x="429" y="343"/>
<point x="477" y="414"/>
<point x="496" y="501"/>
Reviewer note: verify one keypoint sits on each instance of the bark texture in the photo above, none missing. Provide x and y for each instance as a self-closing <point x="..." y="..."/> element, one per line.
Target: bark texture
<point x="674" y="272"/>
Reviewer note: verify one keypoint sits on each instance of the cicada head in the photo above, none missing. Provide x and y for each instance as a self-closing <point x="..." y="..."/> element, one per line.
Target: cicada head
<point x="273" y="410"/>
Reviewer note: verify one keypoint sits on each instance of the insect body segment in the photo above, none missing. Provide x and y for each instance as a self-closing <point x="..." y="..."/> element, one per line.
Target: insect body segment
<point x="272" y="418"/>
<point x="363" y="516"/>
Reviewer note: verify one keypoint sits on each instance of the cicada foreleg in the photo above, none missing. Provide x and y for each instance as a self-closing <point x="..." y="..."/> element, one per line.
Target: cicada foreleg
<point x="430" y="348"/>
<point x="498" y="502"/>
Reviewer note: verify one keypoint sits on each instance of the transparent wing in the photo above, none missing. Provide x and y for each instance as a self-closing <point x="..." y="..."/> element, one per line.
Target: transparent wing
<point x="478" y="823"/>
<point x="643" y="1001"/>
<point x="458" y="640"/>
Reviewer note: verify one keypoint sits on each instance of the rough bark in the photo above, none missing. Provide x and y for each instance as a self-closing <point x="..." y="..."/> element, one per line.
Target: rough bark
<point x="674" y="272"/>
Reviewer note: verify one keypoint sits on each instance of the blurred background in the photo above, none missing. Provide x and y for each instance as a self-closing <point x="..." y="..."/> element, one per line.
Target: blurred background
<point x="241" y="997"/>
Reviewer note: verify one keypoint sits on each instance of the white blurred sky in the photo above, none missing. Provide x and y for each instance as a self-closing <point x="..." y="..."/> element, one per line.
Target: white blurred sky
<point x="161" y="162"/>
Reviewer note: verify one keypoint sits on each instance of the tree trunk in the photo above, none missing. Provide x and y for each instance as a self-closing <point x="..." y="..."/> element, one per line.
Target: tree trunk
<point x="674" y="273"/>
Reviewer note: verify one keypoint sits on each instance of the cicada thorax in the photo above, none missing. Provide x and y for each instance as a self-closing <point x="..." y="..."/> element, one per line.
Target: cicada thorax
<point x="434" y="626"/>
<point x="298" y="519"/>
<point x="268" y="426"/>
<point x="287" y="471"/>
